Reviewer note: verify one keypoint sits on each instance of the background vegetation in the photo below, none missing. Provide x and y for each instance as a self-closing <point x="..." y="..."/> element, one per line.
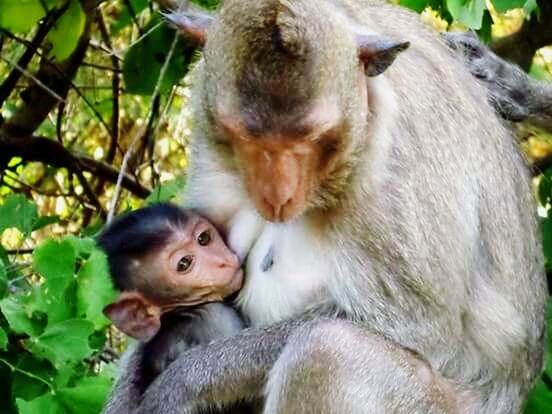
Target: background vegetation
<point x="93" y="121"/>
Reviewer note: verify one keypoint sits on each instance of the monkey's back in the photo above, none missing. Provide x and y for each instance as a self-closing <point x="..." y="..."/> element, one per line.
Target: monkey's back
<point x="470" y="259"/>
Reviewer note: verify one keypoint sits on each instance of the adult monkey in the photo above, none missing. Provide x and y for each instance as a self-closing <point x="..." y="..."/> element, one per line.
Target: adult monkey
<point x="408" y="227"/>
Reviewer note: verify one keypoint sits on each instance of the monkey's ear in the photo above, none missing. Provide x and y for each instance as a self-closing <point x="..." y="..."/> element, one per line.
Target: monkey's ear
<point x="192" y="23"/>
<point x="378" y="52"/>
<point x="135" y="316"/>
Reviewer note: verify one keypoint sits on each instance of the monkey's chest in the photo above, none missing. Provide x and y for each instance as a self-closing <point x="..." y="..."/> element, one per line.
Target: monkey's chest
<point x="286" y="268"/>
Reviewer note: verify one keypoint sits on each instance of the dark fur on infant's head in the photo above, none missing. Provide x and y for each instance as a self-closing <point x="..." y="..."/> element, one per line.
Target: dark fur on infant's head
<point x="132" y="234"/>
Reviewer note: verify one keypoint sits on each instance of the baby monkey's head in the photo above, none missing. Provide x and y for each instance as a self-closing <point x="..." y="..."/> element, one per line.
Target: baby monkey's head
<point x="162" y="257"/>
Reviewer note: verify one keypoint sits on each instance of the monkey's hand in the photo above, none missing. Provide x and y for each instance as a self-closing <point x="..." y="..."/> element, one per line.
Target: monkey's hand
<point x="218" y="374"/>
<point x="243" y="230"/>
<point x="509" y="86"/>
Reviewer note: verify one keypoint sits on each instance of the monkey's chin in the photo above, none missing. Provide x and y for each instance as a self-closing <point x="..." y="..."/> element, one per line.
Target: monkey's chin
<point x="236" y="283"/>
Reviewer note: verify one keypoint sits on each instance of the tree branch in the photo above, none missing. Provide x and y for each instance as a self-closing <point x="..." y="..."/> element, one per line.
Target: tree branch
<point x="51" y="152"/>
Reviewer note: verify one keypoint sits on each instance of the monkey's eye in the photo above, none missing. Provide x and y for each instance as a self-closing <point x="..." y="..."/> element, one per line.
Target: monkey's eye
<point x="184" y="264"/>
<point x="204" y="238"/>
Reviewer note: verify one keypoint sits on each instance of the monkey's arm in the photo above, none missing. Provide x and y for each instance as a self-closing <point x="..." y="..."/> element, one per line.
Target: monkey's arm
<point x="218" y="374"/>
<point x="514" y="94"/>
<point x="126" y="394"/>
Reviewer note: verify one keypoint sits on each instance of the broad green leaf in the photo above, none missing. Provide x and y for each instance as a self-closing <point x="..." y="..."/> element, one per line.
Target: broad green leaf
<point x="467" y="12"/>
<point x="94" y="289"/>
<point x="64" y="342"/>
<point x="65" y="34"/>
<point x="18" y="317"/>
<point x="3" y="340"/>
<point x="484" y="32"/>
<point x="502" y="6"/>
<point x="125" y="18"/>
<point x="87" y="396"/>
<point x="3" y="280"/>
<point x="166" y="191"/>
<point x="18" y="212"/>
<point x="144" y="60"/>
<point x="45" y="404"/>
<point x="26" y="387"/>
<point x="20" y="15"/>
<point x="55" y="260"/>
<point x="84" y="246"/>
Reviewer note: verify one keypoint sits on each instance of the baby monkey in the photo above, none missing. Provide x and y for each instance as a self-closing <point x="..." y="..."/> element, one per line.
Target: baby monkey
<point x="173" y="270"/>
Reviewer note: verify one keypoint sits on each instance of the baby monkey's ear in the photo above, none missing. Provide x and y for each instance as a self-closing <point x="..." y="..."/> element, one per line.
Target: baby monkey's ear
<point x="135" y="316"/>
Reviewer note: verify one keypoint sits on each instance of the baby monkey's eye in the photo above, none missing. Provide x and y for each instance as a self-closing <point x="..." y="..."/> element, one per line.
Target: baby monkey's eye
<point x="204" y="238"/>
<point x="184" y="264"/>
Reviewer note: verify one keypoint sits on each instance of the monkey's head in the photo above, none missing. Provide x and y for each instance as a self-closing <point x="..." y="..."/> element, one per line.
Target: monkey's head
<point x="163" y="257"/>
<point x="282" y="90"/>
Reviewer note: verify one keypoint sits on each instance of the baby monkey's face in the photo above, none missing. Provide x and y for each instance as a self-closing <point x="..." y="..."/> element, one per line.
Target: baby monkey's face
<point x="194" y="266"/>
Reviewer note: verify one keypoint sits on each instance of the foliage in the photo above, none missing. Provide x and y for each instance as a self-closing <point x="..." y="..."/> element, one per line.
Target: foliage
<point x="87" y="88"/>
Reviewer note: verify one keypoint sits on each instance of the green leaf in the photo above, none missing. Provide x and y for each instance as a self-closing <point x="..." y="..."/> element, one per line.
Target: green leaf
<point x="416" y="5"/>
<point x="166" y="191"/>
<point x="18" y="317"/>
<point x="144" y="60"/>
<point x="467" y="12"/>
<point x="45" y="221"/>
<point x="64" y="342"/>
<point x="45" y="404"/>
<point x="18" y="212"/>
<point x="55" y="261"/>
<point x="3" y="280"/>
<point x="94" y="289"/>
<point x="3" y="340"/>
<point x="502" y="6"/>
<point x="65" y="34"/>
<point x="20" y="15"/>
<point x="26" y="387"/>
<point x="486" y="26"/>
<point x="83" y="246"/>
<point x="87" y="396"/>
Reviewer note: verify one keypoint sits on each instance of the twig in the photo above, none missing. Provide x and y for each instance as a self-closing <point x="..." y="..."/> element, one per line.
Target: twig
<point x="9" y="83"/>
<point x="115" y="198"/>
<point x="28" y="374"/>
<point x="33" y="78"/>
<point x="51" y="152"/>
